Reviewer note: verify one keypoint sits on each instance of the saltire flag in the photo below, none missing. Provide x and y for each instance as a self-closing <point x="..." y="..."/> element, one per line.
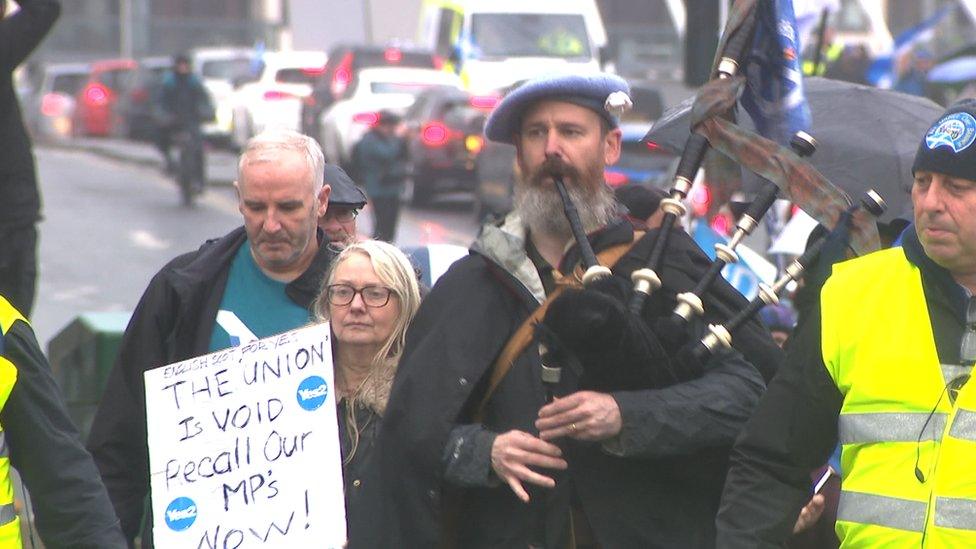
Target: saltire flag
<point x="881" y="73"/>
<point x="774" y="82"/>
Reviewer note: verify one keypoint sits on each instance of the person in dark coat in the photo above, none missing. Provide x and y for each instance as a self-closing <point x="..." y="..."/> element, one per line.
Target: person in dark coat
<point x="266" y="274"/>
<point x="380" y="164"/>
<point x="183" y="104"/>
<point x="69" y="503"/>
<point x="20" y="200"/>
<point x="627" y="468"/>
<point x="370" y="296"/>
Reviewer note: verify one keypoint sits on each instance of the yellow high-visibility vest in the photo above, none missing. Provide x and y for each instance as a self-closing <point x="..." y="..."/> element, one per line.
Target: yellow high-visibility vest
<point x="9" y="522"/>
<point x="908" y="455"/>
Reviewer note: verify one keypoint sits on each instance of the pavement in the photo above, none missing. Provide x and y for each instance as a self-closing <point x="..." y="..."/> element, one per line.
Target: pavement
<point x="221" y="164"/>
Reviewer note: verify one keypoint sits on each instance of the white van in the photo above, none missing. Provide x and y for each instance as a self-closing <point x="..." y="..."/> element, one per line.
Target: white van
<point x="492" y="44"/>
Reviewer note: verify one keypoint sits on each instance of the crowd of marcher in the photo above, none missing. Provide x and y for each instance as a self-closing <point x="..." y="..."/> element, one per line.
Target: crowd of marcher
<point x="451" y="433"/>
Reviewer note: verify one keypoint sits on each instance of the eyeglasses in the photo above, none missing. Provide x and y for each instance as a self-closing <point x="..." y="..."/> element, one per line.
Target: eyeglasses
<point x="341" y="295"/>
<point x="342" y="215"/>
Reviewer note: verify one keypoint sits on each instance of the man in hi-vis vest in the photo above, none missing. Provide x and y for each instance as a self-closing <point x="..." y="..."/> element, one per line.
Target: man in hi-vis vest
<point x="71" y="506"/>
<point x="882" y="369"/>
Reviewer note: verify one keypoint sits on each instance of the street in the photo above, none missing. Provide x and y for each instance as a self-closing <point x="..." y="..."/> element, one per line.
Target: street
<point x="110" y="225"/>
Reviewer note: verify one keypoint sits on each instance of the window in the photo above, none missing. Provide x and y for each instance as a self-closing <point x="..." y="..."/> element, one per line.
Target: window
<point x="495" y="35"/>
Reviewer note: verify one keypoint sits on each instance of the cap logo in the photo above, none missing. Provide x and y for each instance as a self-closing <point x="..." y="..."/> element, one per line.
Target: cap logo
<point x="956" y="131"/>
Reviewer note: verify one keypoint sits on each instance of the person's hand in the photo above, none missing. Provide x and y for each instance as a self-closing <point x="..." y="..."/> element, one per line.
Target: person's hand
<point x="513" y="452"/>
<point x="810" y="513"/>
<point x="584" y="415"/>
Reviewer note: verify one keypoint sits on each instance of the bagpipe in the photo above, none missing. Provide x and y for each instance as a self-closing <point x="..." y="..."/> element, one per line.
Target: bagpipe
<point x="616" y="332"/>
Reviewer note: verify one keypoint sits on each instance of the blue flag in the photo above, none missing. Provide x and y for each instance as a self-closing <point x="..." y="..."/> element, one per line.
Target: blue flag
<point x="774" y="83"/>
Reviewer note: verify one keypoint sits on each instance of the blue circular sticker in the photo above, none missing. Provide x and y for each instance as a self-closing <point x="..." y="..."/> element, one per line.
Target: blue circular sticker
<point x="956" y="131"/>
<point x="181" y="513"/>
<point x="312" y="392"/>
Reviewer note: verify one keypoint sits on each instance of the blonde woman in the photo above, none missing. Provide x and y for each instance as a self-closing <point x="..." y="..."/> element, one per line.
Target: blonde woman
<point x="370" y="296"/>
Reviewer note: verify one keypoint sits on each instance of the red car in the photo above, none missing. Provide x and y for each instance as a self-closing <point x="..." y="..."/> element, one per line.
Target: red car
<point x="95" y="111"/>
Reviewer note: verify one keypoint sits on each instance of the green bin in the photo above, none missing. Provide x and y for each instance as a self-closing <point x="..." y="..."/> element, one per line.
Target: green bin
<point x="81" y="356"/>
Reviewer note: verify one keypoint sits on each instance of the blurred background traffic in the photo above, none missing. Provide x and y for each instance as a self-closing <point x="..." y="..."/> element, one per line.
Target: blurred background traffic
<point x="328" y="68"/>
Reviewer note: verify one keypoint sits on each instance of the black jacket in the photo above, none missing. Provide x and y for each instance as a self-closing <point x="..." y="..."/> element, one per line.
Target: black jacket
<point x="71" y="507"/>
<point x="20" y="202"/>
<point x="173" y="322"/>
<point x="794" y="429"/>
<point x="662" y="488"/>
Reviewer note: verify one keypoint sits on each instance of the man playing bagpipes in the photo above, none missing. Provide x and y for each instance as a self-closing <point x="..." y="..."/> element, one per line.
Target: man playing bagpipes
<point x="472" y="453"/>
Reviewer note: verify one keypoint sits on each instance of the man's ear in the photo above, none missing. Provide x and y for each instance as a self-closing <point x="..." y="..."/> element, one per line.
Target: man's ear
<point x="611" y="148"/>
<point x="323" y="199"/>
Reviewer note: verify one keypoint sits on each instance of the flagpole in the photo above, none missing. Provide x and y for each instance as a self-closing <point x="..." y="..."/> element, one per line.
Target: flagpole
<point x="821" y="36"/>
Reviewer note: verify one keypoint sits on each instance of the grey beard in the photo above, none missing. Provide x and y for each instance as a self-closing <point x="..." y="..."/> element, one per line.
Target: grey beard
<point x="541" y="209"/>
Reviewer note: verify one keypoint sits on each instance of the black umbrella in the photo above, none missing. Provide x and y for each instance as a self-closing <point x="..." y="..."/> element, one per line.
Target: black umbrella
<point x="867" y="137"/>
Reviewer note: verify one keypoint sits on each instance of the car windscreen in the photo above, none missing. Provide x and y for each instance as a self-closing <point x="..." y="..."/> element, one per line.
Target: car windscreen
<point x="496" y="35"/>
<point x="298" y="76"/>
<point x="411" y="88"/>
<point x="68" y="84"/>
<point x="227" y="69"/>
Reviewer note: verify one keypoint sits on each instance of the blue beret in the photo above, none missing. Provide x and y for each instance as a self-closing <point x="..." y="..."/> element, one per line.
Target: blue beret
<point x="590" y="91"/>
<point x="344" y="190"/>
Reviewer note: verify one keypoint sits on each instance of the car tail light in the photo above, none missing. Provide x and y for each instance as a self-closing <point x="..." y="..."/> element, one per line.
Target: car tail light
<point x="392" y="55"/>
<point x="313" y="71"/>
<point x="53" y="104"/>
<point x="484" y="102"/>
<point x="701" y="199"/>
<point x="367" y="118"/>
<point x="474" y="144"/>
<point x="652" y="146"/>
<point x="615" y="179"/>
<point x="721" y="224"/>
<point x="96" y="95"/>
<point x="434" y="134"/>
<point x="342" y="76"/>
<point x="277" y="95"/>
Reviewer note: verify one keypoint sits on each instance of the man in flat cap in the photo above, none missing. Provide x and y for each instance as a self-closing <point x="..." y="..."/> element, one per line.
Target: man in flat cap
<point x="881" y="366"/>
<point x="345" y="203"/>
<point x="473" y="456"/>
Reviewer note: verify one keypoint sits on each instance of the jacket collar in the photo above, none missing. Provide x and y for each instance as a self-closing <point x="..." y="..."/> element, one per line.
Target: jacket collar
<point x="951" y="292"/>
<point x="216" y="255"/>
<point x="504" y="244"/>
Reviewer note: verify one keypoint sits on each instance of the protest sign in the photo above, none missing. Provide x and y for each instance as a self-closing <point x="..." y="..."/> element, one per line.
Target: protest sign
<point x="244" y="446"/>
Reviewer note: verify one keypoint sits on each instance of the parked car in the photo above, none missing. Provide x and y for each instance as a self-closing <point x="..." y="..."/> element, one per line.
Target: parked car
<point x="136" y="99"/>
<point x="345" y="62"/>
<point x="50" y="108"/>
<point x="444" y="139"/>
<point x="373" y="90"/>
<point x="219" y="68"/>
<point x="95" y="112"/>
<point x="275" y="95"/>
<point x="640" y="162"/>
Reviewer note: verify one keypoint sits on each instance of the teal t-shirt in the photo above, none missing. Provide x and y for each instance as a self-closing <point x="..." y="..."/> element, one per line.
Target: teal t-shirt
<point x="253" y="304"/>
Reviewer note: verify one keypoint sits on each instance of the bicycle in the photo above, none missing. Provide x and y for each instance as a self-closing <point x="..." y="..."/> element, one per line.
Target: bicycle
<point x="189" y="165"/>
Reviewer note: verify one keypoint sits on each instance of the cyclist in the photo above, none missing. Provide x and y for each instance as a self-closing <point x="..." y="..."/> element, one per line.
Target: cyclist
<point x="183" y="105"/>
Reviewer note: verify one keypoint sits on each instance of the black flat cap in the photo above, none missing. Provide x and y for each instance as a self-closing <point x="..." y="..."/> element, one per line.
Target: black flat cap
<point x="344" y="190"/>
